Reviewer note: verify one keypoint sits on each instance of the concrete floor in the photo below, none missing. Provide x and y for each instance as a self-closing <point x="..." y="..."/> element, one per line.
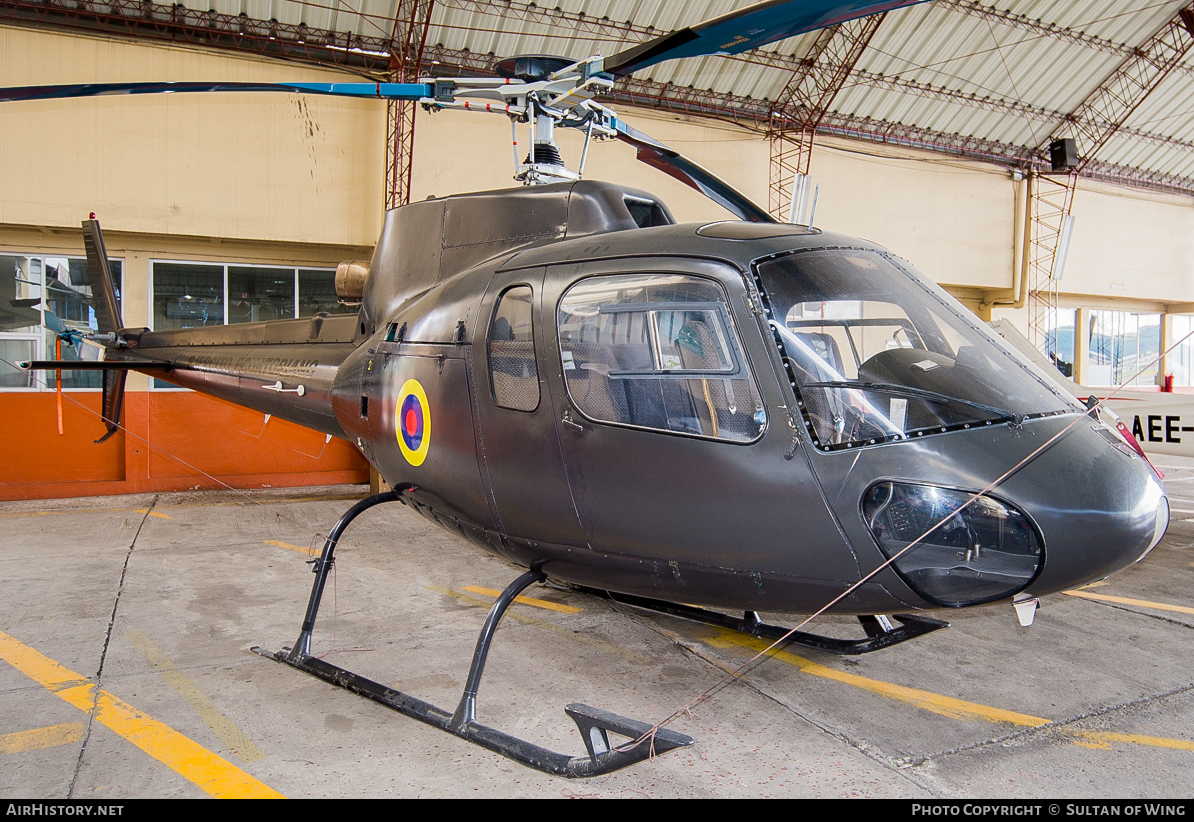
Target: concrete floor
<point x="154" y="602"/>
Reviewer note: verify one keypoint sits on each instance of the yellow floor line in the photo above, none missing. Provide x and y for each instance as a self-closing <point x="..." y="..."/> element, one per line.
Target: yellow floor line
<point x="215" y="775"/>
<point x="39" y="738"/>
<point x="638" y="659"/>
<point x="538" y="603"/>
<point x="937" y="703"/>
<point x="152" y="513"/>
<point x="944" y="705"/>
<point x="285" y="501"/>
<point x="225" y="729"/>
<point x="65" y="511"/>
<point x="86" y="511"/>
<point x="1139" y="603"/>
<point x="280" y="544"/>
<point x="1101" y="738"/>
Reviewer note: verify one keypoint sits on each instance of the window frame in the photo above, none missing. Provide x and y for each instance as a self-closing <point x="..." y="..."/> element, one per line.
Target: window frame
<point x="652" y="310"/>
<point x="38" y="337"/>
<point x="159" y="385"/>
<point x="534" y="349"/>
<point x="744" y="370"/>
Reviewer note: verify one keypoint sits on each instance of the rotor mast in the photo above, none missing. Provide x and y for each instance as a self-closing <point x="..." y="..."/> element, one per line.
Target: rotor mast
<point x="543" y="163"/>
<point x="549" y="91"/>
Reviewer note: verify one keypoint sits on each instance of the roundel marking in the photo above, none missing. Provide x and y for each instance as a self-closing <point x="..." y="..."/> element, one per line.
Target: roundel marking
<point x="413" y="421"/>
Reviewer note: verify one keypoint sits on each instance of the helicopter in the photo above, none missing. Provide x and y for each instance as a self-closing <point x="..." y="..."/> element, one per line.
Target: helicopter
<point x="744" y="416"/>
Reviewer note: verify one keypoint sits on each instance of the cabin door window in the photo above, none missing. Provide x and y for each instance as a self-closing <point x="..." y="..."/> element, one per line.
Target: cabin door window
<point x="657" y="351"/>
<point x="513" y="373"/>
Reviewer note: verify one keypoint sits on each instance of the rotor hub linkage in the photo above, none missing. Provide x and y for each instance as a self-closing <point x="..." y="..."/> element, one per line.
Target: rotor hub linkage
<point x="594" y="725"/>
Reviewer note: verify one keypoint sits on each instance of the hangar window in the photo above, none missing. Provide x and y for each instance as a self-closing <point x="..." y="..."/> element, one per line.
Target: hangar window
<point x="658" y="351"/>
<point x="1059" y="338"/>
<point x="1180" y="360"/>
<point x="1121" y="343"/>
<point x="512" y="369"/>
<point x="186" y="295"/>
<point x="258" y="294"/>
<point x="317" y="292"/>
<point x="43" y="298"/>
<point x="195" y="294"/>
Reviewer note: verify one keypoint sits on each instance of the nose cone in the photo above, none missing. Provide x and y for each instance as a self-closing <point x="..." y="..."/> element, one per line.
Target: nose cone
<point x="1099" y="507"/>
<point x="1082" y="508"/>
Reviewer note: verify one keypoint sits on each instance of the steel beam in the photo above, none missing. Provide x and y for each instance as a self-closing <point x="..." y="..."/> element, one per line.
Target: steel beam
<point x="1043" y="29"/>
<point x="1093" y="122"/>
<point x="411" y="21"/>
<point x="177" y="23"/>
<point x="600" y="27"/>
<point x="1036" y="26"/>
<point x="861" y="77"/>
<point x="372" y="56"/>
<point x="1051" y="198"/>
<point x="804" y="102"/>
<point x="1104" y="111"/>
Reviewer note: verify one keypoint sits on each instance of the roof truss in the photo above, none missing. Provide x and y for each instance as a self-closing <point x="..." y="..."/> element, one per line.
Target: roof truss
<point x="1102" y="115"/>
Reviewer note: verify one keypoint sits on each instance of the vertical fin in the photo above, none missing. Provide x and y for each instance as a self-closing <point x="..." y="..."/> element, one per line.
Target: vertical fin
<point x="113" y="400"/>
<point x="107" y="316"/>
<point x="103" y="290"/>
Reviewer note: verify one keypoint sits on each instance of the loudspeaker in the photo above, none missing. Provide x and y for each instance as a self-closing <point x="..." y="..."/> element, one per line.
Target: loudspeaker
<point x="1063" y="154"/>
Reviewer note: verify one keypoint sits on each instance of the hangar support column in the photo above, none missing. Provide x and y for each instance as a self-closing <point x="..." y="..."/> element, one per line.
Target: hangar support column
<point x="802" y="104"/>
<point x="411" y="21"/>
<point x="1093" y="123"/>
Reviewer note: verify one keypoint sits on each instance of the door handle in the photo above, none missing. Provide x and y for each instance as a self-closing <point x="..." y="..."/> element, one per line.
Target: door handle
<point x="567" y="420"/>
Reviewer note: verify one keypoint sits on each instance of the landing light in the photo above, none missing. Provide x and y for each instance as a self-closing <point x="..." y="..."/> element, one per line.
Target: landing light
<point x="985" y="551"/>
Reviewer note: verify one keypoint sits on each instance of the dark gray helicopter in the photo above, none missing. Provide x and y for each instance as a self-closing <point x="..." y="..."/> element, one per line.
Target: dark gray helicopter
<point x="742" y="415"/>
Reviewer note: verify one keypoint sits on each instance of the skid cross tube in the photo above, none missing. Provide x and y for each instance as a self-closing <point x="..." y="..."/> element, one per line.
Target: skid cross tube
<point x="879" y="635"/>
<point x="594" y="724"/>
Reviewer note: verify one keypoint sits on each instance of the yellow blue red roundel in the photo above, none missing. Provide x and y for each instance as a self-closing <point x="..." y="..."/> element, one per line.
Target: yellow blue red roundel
<point x="413" y="422"/>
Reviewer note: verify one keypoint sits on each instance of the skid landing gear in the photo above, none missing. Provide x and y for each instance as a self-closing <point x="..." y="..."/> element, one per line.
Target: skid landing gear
<point x="595" y="725"/>
<point x="879" y="629"/>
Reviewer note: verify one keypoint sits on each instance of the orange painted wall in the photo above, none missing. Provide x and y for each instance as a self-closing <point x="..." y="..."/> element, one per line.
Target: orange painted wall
<point x="174" y="441"/>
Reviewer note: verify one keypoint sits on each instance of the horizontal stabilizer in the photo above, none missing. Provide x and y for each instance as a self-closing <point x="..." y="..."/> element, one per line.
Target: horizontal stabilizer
<point x="91" y="365"/>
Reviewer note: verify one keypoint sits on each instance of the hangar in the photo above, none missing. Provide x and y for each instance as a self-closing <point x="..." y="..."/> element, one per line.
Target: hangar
<point x="1033" y="160"/>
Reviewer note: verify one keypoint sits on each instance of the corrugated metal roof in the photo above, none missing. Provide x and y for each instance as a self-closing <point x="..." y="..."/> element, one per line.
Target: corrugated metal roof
<point x="1009" y="74"/>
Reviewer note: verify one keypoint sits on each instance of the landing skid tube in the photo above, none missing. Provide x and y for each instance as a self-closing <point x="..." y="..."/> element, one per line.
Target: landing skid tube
<point x="594" y="725"/>
<point x="879" y="630"/>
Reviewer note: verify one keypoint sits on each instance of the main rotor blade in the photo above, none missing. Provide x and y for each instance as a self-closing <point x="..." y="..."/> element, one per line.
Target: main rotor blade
<point x="385" y="91"/>
<point x="674" y="164"/>
<point x="748" y="28"/>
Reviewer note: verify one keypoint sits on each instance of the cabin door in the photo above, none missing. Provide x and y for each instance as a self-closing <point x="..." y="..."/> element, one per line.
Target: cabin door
<point x="519" y="447"/>
<point x="668" y="411"/>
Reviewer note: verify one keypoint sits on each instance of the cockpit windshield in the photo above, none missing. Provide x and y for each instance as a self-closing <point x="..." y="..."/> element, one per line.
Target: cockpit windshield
<point x="876" y="353"/>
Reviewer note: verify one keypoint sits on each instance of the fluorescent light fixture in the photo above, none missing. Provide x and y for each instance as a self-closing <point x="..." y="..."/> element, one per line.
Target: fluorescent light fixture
<point x="1063" y="247"/>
